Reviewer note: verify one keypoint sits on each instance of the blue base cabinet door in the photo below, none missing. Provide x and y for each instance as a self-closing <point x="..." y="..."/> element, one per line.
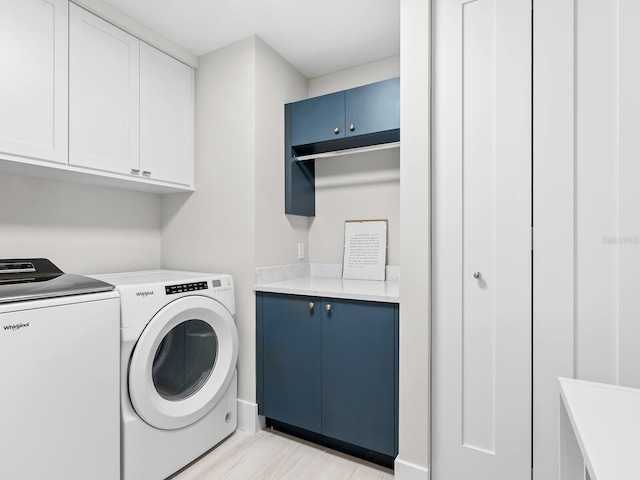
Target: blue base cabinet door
<point x="291" y="333"/>
<point x="359" y="373"/>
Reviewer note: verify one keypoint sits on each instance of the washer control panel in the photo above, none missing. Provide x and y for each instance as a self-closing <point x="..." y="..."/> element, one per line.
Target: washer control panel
<point x="185" y="287"/>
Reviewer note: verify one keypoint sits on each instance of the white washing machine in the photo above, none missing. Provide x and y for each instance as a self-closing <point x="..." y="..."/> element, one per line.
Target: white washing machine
<point x="60" y="374"/>
<point x="179" y="347"/>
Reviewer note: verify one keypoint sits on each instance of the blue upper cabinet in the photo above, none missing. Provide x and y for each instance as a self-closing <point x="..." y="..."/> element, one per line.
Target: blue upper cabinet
<point x="373" y="108"/>
<point x="318" y="119"/>
<point x="360" y="117"/>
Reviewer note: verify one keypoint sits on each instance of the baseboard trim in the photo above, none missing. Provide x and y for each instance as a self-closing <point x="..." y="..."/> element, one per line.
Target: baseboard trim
<point x="248" y="419"/>
<point x="409" y="471"/>
<point x="382" y="459"/>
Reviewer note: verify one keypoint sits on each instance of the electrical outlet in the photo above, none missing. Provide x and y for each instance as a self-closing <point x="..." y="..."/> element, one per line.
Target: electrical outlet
<point x="301" y="251"/>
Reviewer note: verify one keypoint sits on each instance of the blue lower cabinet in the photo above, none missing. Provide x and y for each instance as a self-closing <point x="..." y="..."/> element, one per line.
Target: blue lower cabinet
<point x="330" y="366"/>
<point x="358" y="374"/>
<point x="292" y="361"/>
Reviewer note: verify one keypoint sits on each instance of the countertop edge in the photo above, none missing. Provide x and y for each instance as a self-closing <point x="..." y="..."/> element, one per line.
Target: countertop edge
<point x="286" y="289"/>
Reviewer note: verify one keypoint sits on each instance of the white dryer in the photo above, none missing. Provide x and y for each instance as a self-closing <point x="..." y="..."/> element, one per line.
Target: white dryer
<point x="179" y="347"/>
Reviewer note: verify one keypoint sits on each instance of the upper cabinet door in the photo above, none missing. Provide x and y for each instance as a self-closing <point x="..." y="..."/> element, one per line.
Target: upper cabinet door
<point x="166" y="117"/>
<point x="33" y="84"/>
<point x="104" y="95"/>
<point x="318" y="119"/>
<point x="373" y="108"/>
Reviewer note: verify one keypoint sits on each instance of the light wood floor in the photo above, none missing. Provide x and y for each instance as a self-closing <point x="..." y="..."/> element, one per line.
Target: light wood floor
<point x="271" y="455"/>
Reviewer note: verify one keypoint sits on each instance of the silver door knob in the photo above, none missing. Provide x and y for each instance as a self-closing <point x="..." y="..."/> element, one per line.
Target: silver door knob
<point x="146" y="173"/>
<point x="311" y="304"/>
<point x="135" y="171"/>
<point x="477" y="275"/>
<point x="328" y="307"/>
<point x="336" y="130"/>
<point x="352" y="127"/>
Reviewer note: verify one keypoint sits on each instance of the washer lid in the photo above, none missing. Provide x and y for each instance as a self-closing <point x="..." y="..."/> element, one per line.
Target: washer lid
<point x="38" y="278"/>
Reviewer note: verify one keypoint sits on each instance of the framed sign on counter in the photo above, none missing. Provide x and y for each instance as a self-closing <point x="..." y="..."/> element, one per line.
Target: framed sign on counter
<point x="365" y="249"/>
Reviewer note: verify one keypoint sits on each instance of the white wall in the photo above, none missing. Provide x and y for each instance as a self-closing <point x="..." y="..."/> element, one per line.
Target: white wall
<point x="586" y="204"/>
<point x="235" y="219"/>
<point x="213" y="229"/>
<point x="80" y="228"/>
<point x="415" y="200"/>
<point x="363" y="186"/>
<point x="355" y="77"/>
<point x="277" y="234"/>
<point x="355" y="187"/>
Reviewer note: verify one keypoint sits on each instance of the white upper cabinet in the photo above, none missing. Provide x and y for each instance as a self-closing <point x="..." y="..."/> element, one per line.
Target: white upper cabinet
<point x="33" y="82"/>
<point x="131" y="107"/>
<point x="104" y="95"/>
<point x="166" y="117"/>
<point x="82" y="100"/>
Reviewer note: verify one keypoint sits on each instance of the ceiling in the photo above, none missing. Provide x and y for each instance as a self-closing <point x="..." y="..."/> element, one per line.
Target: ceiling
<point x="317" y="37"/>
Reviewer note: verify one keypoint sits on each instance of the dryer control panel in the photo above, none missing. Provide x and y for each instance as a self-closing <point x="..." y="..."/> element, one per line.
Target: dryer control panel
<point x="185" y="287"/>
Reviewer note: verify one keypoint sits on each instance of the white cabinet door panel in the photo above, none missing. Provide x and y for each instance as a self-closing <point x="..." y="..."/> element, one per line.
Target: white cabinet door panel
<point x="166" y="117"/>
<point x="481" y="324"/>
<point x="33" y="79"/>
<point x="104" y="95"/>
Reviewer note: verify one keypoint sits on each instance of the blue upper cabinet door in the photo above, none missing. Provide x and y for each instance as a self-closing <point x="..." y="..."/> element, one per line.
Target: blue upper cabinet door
<point x="373" y="108"/>
<point x="358" y="373"/>
<point x="318" y="119"/>
<point x="292" y="360"/>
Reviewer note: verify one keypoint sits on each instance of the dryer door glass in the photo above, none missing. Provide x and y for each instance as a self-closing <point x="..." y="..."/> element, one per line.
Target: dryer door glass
<point x="184" y="360"/>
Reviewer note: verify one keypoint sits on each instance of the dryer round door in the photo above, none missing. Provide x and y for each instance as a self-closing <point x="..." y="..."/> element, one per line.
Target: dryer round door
<point x="183" y="362"/>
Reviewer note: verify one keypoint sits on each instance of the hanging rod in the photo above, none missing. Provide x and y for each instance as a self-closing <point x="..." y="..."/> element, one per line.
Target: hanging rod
<point x="348" y="151"/>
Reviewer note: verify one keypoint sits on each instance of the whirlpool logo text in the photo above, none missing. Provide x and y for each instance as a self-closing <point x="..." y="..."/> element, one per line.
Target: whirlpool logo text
<point x="15" y="327"/>
<point x="144" y="294"/>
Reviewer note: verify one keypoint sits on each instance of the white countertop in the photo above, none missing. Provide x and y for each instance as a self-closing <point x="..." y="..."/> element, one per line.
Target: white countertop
<point x="606" y="422"/>
<point x="370" y="290"/>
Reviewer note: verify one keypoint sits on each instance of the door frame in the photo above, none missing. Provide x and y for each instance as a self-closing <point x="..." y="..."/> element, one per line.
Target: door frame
<point x="553" y="217"/>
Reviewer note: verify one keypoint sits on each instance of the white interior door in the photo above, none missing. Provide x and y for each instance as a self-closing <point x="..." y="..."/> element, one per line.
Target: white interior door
<point x="481" y="410"/>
